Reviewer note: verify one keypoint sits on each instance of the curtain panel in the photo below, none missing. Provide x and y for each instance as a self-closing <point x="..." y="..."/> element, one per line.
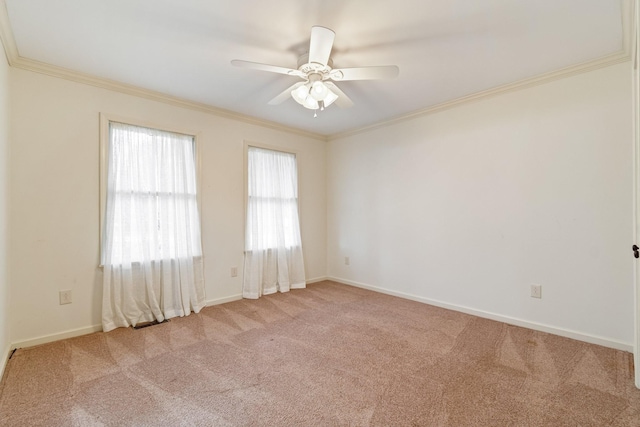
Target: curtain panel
<point x="152" y="252"/>
<point x="273" y="249"/>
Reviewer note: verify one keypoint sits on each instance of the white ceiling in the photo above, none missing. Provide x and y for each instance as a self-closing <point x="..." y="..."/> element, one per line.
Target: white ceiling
<point x="446" y="49"/>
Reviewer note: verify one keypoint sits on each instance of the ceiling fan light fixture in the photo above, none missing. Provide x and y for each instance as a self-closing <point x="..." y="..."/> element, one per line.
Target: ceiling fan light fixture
<point x="313" y="95"/>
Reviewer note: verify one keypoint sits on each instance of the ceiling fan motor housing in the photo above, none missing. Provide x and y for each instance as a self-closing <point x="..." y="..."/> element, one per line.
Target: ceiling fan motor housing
<point x="308" y="68"/>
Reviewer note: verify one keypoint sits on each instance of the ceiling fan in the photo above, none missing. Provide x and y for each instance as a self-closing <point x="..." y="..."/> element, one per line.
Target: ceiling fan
<point x="318" y="90"/>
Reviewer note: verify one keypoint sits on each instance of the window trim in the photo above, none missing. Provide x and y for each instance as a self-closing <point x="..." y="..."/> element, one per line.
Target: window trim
<point x="286" y="150"/>
<point x="104" y="121"/>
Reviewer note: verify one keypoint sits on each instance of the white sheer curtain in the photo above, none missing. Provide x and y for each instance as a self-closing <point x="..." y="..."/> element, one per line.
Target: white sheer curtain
<point x="152" y="253"/>
<point x="273" y="257"/>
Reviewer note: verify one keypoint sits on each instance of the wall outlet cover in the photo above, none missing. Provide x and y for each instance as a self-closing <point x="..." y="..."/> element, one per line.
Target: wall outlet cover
<point x="65" y="297"/>
<point x="536" y="291"/>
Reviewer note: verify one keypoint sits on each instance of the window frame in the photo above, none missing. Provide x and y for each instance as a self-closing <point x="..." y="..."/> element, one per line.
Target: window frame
<point x="286" y="150"/>
<point x="104" y="121"/>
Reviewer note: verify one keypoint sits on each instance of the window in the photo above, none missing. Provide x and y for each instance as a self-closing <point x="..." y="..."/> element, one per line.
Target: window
<point x="151" y="250"/>
<point x="272" y="208"/>
<point x="151" y="197"/>
<point x="273" y="258"/>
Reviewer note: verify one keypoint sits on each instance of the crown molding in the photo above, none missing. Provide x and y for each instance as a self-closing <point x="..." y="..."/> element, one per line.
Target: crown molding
<point x="6" y="35"/>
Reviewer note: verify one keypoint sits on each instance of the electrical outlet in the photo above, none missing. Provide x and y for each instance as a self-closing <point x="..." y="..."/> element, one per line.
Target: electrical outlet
<point x="65" y="297"/>
<point x="347" y="261"/>
<point x="234" y="271"/>
<point x="536" y="291"/>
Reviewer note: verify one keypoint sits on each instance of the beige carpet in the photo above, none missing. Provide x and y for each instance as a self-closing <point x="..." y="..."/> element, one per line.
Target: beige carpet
<point x="328" y="355"/>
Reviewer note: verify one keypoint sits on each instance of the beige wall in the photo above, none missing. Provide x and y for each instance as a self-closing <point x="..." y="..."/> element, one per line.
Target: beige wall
<point x="4" y="208"/>
<point x="54" y="198"/>
<point x="468" y="207"/>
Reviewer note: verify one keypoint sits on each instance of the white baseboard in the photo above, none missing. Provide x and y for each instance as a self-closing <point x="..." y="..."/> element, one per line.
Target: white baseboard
<point x="580" y="336"/>
<point x="316" y="280"/>
<point x="5" y="359"/>
<point x="237" y="297"/>
<point x="218" y="301"/>
<point x="56" y="337"/>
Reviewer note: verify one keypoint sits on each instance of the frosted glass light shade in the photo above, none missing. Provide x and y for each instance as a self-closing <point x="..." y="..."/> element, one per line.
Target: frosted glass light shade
<point x="319" y="91"/>
<point x="311" y="103"/>
<point x="300" y="94"/>
<point x="329" y="98"/>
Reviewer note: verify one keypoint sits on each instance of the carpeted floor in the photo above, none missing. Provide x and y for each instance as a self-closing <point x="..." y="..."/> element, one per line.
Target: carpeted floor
<point x="328" y="355"/>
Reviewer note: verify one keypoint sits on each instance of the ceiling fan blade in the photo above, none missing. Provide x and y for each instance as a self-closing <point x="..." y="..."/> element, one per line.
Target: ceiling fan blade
<point x="365" y="73"/>
<point x="266" y="67"/>
<point x="343" y="100"/>
<point x="285" y="94"/>
<point x="321" y="44"/>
